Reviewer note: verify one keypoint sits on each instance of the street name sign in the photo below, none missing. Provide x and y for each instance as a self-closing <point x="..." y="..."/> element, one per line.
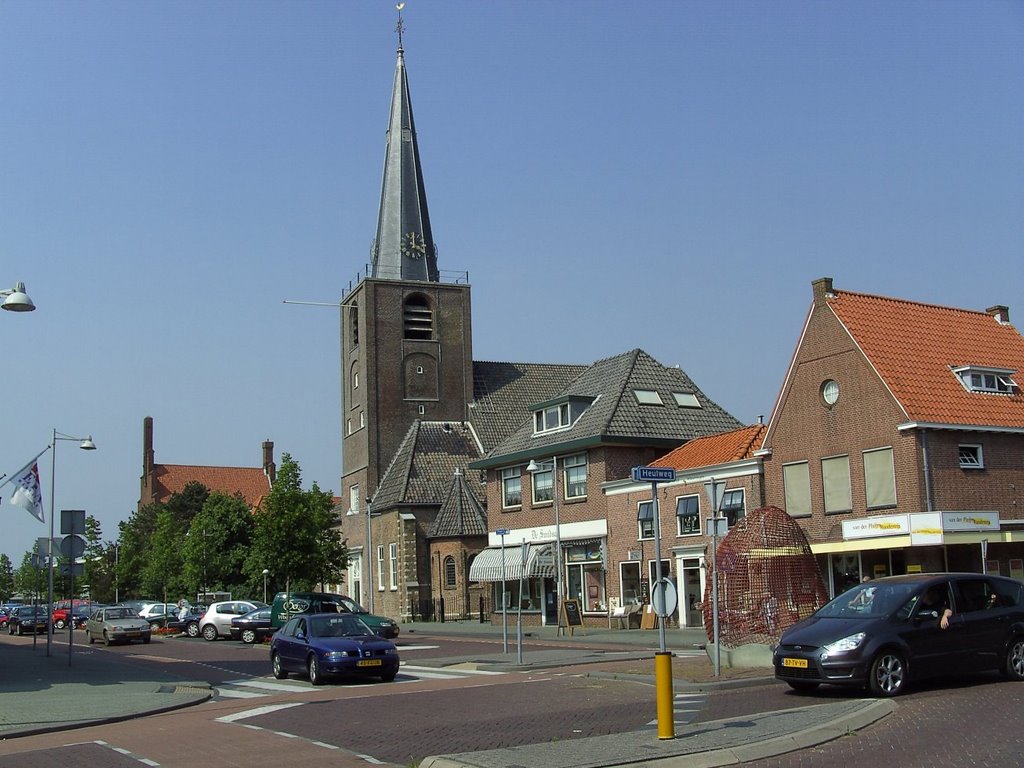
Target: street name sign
<point x="653" y="474"/>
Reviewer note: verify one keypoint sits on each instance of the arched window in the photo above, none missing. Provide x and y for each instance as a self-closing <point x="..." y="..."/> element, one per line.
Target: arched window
<point x="449" y="572"/>
<point x="418" y="317"/>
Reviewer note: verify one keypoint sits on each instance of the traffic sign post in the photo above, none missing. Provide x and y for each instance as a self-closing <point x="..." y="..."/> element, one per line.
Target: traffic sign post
<point x="716" y="491"/>
<point x="662" y="659"/>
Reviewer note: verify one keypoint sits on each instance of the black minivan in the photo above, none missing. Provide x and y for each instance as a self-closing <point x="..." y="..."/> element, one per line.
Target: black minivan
<point x="883" y="633"/>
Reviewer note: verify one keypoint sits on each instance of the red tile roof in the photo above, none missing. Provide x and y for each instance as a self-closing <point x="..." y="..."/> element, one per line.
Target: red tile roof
<point x="715" y="449"/>
<point x="251" y="482"/>
<point x="914" y="348"/>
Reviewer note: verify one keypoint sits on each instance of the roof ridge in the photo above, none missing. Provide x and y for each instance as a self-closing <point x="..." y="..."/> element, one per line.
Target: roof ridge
<point x="897" y="300"/>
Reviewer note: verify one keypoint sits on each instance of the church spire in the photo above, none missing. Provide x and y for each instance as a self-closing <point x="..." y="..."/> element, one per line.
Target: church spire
<point x="404" y="247"/>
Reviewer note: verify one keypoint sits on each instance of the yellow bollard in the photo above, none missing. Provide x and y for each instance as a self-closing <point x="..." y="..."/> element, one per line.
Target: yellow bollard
<point x="663" y="692"/>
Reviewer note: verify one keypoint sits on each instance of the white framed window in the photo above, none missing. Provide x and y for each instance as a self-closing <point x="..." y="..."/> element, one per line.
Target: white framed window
<point x="511" y="487"/>
<point x="543" y="486"/>
<point x="645" y="520"/>
<point x="835" y="481"/>
<point x="797" y="481"/>
<point x="555" y="416"/>
<point x="575" y="476"/>
<point x="991" y="380"/>
<point x="348" y="426"/>
<point x="879" y="478"/>
<point x="647" y="397"/>
<point x="688" y="515"/>
<point x="734" y="505"/>
<point x="355" y="578"/>
<point x="393" y="565"/>
<point x="355" y="380"/>
<point x="971" y="456"/>
<point x="686" y="399"/>
<point x="354" y="506"/>
<point x="380" y="567"/>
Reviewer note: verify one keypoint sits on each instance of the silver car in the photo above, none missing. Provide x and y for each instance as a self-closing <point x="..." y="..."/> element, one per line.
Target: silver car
<point x="216" y="622"/>
<point x="117" y="624"/>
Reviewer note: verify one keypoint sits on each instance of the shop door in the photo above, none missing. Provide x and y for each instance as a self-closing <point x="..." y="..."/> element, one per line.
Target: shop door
<point x="550" y="603"/>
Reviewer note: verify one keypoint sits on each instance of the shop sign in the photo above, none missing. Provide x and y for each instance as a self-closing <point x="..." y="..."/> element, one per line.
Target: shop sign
<point x="925" y="529"/>
<point x="873" y="527"/>
<point x="970" y="521"/>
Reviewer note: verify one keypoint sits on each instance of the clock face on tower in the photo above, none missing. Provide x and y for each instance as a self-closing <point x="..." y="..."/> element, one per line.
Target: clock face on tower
<point x="413" y="245"/>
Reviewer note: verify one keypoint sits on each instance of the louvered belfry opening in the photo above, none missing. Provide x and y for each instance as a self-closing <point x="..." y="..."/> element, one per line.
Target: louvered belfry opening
<point x="418" y="317"/>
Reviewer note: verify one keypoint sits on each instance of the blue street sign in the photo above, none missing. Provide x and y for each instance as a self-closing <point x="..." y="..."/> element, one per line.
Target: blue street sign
<point x="653" y="474"/>
<point x="501" y="532"/>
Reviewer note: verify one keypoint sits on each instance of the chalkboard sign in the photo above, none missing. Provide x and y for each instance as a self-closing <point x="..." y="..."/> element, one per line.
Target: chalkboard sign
<point x="571" y="611"/>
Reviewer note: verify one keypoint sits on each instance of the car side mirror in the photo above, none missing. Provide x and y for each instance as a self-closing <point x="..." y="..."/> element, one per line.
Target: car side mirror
<point x="300" y="635"/>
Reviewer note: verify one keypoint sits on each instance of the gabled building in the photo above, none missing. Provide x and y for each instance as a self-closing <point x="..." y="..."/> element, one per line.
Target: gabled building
<point x="544" y="484"/>
<point x="161" y="481"/>
<point x="684" y="508"/>
<point x="897" y="440"/>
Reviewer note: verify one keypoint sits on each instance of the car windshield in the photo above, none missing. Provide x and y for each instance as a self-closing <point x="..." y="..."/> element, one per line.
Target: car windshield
<point x="338" y="626"/>
<point x="118" y="613"/>
<point x="868" y="599"/>
<point x="352" y="605"/>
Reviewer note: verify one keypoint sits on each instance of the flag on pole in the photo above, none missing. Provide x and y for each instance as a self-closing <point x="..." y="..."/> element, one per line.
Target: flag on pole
<point x="28" y="493"/>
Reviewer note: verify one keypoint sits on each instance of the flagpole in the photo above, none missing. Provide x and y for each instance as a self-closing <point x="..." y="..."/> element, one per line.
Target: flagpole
<point x="49" y="562"/>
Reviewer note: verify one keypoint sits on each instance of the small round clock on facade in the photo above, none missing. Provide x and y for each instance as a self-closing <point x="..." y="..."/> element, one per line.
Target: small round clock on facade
<point x="830" y="392"/>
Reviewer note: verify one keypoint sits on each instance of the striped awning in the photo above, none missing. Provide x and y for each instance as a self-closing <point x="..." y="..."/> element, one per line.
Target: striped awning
<point x="540" y="563"/>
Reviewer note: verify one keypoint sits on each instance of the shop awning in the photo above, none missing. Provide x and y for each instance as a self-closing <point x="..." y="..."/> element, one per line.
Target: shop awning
<point x="540" y="563"/>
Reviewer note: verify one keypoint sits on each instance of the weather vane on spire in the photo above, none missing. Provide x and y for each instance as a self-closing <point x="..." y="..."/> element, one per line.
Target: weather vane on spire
<point x="400" y="27"/>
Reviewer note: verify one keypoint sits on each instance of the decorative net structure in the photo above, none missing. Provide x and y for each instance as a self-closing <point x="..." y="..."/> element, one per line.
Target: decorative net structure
<point x="767" y="580"/>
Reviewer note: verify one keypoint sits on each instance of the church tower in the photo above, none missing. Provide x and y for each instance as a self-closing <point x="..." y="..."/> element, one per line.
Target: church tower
<point x="406" y="340"/>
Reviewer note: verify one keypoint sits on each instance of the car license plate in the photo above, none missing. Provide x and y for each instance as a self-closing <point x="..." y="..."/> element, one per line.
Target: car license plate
<point x="368" y="663"/>
<point x="799" y="663"/>
<point x="133" y="633"/>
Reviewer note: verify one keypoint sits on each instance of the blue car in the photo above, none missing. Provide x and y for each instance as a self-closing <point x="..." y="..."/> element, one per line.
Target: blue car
<point x="323" y="645"/>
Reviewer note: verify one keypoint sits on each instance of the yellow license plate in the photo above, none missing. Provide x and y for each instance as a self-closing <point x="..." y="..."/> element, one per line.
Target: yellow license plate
<point x="799" y="663"/>
<point x="368" y="663"/>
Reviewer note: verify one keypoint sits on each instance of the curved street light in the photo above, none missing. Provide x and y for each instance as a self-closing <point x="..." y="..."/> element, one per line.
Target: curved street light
<point x="16" y="300"/>
<point x="85" y="444"/>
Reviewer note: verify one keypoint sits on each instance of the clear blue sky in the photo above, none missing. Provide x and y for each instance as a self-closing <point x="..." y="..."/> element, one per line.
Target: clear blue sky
<point x="664" y="175"/>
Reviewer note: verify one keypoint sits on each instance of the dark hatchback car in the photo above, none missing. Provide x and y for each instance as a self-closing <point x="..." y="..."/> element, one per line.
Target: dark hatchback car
<point x="885" y="633"/>
<point x="26" y="619"/>
<point x="252" y="627"/>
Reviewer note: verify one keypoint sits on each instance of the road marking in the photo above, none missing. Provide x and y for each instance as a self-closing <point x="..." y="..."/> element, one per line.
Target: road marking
<point x="256" y="712"/>
<point x="404" y="648"/>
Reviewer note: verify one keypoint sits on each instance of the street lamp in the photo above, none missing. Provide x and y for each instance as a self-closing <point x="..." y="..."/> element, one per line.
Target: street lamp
<point x="265" y="572"/>
<point x="16" y="300"/>
<point x="86" y="444"/>
<point x="533" y="468"/>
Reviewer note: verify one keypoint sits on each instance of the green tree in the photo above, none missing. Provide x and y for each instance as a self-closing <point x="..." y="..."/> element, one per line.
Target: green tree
<point x="98" y="575"/>
<point x="218" y="541"/>
<point x="29" y="578"/>
<point x="6" y="578"/>
<point x="161" y="573"/>
<point x="295" y="538"/>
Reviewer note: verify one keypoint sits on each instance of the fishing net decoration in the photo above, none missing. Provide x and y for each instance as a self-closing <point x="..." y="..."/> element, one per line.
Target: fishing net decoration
<point x="767" y="580"/>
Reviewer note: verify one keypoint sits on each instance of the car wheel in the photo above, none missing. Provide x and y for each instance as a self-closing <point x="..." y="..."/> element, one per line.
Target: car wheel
<point x="92" y="639"/>
<point x="387" y="677"/>
<point x="249" y="636"/>
<point x="1014" y="667"/>
<point x="279" y="671"/>
<point x="106" y="638"/>
<point x="192" y="629"/>
<point x="314" y="671"/>
<point x="888" y="674"/>
<point x="59" y="624"/>
<point x="802" y="687"/>
<point x="209" y="632"/>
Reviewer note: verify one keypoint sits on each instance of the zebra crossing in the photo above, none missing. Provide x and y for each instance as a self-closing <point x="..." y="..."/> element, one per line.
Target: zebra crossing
<point x="257" y="687"/>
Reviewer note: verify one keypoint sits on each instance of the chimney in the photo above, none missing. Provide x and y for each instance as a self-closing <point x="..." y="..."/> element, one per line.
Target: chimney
<point x="1000" y="313"/>
<point x="269" y="467"/>
<point x="822" y="289"/>
<point x="147" y="446"/>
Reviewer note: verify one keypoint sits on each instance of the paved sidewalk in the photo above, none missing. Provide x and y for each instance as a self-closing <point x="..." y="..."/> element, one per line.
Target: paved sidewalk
<point x="40" y="693"/>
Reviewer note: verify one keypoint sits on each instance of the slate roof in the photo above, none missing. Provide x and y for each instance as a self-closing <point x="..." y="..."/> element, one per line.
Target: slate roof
<point x="714" y="450"/>
<point x="461" y="514"/>
<point x="503" y="392"/>
<point x="616" y="416"/>
<point x="251" y="482"/>
<point x="422" y="468"/>
<point x="914" y="348"/>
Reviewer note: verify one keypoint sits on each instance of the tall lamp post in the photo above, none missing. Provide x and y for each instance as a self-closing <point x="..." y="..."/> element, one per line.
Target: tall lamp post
<point x="265" y="572"/>
<point x="86" y="444"/>
<point x="545" y="466"/>
<point x="16" y="300"/>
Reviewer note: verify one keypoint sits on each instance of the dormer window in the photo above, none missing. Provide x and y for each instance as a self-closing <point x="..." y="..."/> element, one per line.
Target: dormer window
<point x="558" y="414"/>
<point x="991" y="380"/>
